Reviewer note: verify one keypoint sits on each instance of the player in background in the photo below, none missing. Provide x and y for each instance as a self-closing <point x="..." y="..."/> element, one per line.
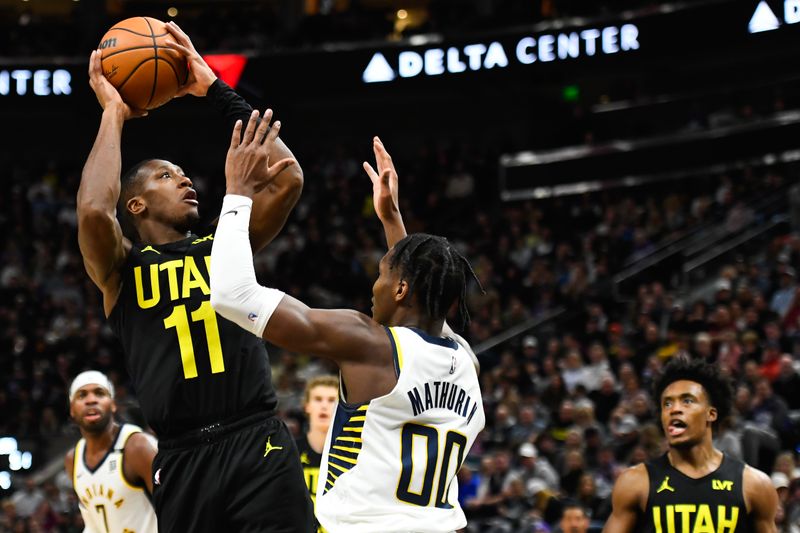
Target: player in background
<point x="410" y="405"/>
<point x="573" y="518"/>
<point x="319" y="403"/>
<point x="693" y="487"/>
<point x="110" y="466"/>
<point x="203" y="383"/>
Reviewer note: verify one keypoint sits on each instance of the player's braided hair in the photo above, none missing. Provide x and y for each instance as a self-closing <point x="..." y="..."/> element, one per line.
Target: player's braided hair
<point x="717" y="386"/>
<point x="436" y="273"/>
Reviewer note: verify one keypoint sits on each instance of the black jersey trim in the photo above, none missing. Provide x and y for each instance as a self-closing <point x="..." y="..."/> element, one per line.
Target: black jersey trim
<point x="430" y="339"/>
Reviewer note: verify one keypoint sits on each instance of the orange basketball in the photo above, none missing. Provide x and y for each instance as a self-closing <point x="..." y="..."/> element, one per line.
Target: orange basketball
<point x="136" y="61"/>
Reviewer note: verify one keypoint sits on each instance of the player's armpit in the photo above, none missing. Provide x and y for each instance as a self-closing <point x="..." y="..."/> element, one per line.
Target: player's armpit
<point x="627" y="500"/>
<point x="761" y="500"/>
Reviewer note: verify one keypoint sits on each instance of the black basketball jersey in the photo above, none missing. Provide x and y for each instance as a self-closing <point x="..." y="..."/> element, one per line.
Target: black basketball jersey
<point x="190" y="366"/>
<point x="713" y="503"/>
<point x="310" y="460"/>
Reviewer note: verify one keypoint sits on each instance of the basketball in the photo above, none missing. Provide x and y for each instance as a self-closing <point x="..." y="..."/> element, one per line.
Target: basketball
<point x="138" y="63"/>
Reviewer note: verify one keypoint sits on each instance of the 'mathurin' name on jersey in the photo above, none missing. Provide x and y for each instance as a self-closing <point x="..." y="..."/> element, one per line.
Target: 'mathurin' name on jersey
<point x="713" y="503"/>
<point x="390" y="464"/>
<point x="109" y="503"/>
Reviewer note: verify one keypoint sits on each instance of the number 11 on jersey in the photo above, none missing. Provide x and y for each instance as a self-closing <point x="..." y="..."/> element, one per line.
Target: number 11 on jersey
<point x="179" y="319"/>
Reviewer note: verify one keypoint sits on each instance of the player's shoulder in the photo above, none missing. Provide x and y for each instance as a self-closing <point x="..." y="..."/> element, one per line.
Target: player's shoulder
<point x="69" y="460"/>
<point x="634" y="474"/>
<point x="755" y="480"/>
<point x="760" y="495"/>
<point x="138" y="441"/>
<point x="633" y="484"/>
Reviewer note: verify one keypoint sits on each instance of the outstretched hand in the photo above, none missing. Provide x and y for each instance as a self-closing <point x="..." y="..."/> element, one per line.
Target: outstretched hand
<point x="247" y="168"/>
<point x="384" y="183"/>
<point x="107" y="94"/>
<point x="200" y="74"/>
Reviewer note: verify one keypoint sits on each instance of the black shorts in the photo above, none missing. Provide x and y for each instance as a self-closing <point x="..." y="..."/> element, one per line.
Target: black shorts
<point x="244" y="477"/>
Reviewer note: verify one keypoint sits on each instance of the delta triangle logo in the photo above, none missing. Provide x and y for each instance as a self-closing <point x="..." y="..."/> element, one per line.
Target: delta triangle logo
<point x="378" y="70"/>
<point x="228" y="67"/>
<point x="763" y="19"/>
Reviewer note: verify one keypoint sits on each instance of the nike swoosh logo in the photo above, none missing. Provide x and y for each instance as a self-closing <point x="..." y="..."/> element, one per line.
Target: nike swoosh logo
<point x="234" y="211"/>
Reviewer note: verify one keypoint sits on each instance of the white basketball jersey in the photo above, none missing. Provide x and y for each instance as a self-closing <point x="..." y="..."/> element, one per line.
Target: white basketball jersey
<point x="108" y="502"/>
<point x="390" y="465"/>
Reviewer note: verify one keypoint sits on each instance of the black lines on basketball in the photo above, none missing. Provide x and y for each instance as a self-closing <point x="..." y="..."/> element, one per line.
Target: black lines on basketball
<point x="155" y="56"/>
<point x="112" y="54"/>
<point x="150" y="73"/>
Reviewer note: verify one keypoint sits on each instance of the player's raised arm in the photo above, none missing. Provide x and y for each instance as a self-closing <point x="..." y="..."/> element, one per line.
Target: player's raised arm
<point x="386" y="199"/>
<point x="235" y="293"/>
<point x="272" y="204"/>
<point x="385" y="193"/>
<point x="99" y="234"/>
<point x="627" y="500"/>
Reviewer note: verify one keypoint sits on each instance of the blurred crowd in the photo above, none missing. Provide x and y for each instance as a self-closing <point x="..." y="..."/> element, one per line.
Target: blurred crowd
<point x="568" y="406"/>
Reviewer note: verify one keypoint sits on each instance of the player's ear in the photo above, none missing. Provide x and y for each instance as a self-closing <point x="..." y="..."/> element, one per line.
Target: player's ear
<point x="113" y="407"/>
<point x="401" y="291"/>
<point x="712" y="414"/>
<point x="135" y="205"/>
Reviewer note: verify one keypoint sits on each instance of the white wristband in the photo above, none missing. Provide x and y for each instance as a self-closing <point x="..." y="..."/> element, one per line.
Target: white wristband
<point x="235" y="292"/>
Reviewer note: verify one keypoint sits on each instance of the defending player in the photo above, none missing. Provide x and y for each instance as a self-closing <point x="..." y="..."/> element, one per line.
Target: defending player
<point x="203" y="383"/>
<point x="110" y="467"/>
<point x="319" y="404"/>
<point x="410" y="405"/>
<point x="693" y="487"/>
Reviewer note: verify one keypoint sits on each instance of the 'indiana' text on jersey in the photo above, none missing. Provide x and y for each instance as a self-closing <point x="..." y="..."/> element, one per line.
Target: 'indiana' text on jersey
<point x="711" y="504"/>
<point x="190" y="366"/>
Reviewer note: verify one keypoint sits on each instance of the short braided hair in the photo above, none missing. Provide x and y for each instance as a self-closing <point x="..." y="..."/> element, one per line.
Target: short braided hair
<point x="436" y="274"/>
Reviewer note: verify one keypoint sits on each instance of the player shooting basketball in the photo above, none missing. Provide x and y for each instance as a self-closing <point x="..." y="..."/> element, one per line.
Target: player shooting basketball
<point x="693" y="487"/>
<point x="203" y="383"/>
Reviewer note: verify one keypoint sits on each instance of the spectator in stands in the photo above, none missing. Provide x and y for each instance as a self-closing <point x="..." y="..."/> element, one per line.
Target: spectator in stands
<point x="27" y="500"/>
<point x="526" y="427"/>
<point x="597" y="368"/>
<point x="770" y="360"/>
<point x="596" y="507"/>
<point x="787" y="383"/>
<point x="765" y="421"/>
<point x="535" y="472"/>
<point x="574" y="373"/>
<point x="785" y="463"/>
<point x="468" y="483"/>
<point x="783" y="297"/>
<point x="606" y="398"/>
